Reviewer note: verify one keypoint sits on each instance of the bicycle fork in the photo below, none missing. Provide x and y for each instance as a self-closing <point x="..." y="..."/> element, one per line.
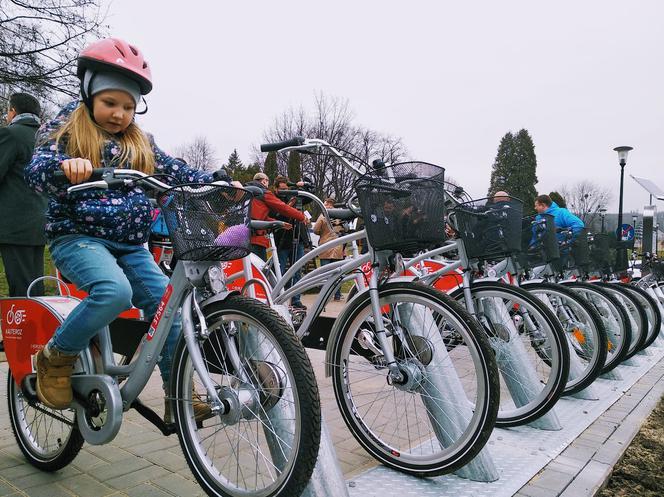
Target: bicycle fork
<point x="395" y="375"/>
<point x="191" y="339"/>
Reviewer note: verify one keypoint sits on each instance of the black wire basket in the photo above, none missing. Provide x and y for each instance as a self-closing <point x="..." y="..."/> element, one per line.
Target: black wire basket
<point x="657" y="269"/>
<point x="490" y="227"/>
<point x="602" y="251"/>
<point x="207" y="222"/>
<point x="403" y="206"/>
<point x="539" y="244"/>
<point x="576" y="252"/>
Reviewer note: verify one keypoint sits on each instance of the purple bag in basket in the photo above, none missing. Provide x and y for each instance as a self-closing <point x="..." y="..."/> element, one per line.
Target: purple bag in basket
<point x="233" y="236"/>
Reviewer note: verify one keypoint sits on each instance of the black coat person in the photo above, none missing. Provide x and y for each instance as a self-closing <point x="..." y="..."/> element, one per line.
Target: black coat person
<point x="499" y="228"/>
<point x="23" y="210"/>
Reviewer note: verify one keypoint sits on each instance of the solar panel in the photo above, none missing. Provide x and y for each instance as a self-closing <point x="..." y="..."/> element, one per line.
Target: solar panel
<point x="650" y="187"/>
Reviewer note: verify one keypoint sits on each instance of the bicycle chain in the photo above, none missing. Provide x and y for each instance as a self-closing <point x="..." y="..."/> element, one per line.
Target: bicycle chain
<point x="53" y="415"/>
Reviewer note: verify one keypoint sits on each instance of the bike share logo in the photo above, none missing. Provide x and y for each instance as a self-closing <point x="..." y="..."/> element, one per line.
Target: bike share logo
<point x="15" y="317"/>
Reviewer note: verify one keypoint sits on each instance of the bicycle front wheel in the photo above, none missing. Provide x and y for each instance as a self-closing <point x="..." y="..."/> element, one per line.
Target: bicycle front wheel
<point x="649" y="305"/>
<point x="530" y="346"/>
<point x="266" y="442"/>
<point x="584" y="330"/>
<point x="614" y="316"/>
<point x="635" y="313"/>
<point x="442" y="413"/>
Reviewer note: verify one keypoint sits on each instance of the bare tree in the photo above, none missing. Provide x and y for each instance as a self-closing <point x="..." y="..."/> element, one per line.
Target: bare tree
<point x="585" y="199"/>
<point x="39" y="44"/>
<point x="199" y="154"/>
<point x="332" y="120"/>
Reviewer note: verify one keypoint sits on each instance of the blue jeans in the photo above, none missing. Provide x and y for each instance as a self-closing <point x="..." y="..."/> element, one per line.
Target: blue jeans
<point x="285" y="256"/>
<point x="115" y="275"/>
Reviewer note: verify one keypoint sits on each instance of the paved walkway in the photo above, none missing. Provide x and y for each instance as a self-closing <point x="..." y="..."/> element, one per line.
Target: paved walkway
<point x="142" y="462"/>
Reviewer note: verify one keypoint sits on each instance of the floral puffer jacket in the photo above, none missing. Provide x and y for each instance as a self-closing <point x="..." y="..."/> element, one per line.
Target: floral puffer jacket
<point x="123" y="215"/>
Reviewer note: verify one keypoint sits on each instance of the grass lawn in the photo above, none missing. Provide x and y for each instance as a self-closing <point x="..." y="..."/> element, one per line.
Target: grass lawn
<point x="639" y="473"/>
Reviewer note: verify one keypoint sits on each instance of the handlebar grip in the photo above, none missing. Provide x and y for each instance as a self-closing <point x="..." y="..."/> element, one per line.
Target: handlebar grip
<point x="266" y="225"/>
<point x="97" y="173"/>
<point x="275" y="147"/>
<point x="343" y="214"/>
<point x="256" y="191"/>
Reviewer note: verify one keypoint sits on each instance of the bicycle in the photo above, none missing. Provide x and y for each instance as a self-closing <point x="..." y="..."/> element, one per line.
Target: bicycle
<point x="413" y="374"/>
<point x="586" y="335"/>
<point x="263" y="435"/>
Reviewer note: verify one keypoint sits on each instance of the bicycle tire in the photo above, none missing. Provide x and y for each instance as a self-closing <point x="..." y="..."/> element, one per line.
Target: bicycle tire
<point x="26" y="436"/>
<point x="277" y="380"/>
<point x="587" y="338"/>
<point x="635" y="312"/>
<point x="653" y="313"/>
<point x="554" y="341"/>
<point x="616" y="321"/>
<point x="465" y="341"/>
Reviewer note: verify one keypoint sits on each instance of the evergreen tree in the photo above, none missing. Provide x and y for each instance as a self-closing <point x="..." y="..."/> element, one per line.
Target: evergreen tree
<point x="515" y="168"/>
<point x="502" y="165"/>
<point x="270" y="166"/>
<point x="294" y="167"/>
<point x="246" y="174"/>
<point x="234" y="164"/>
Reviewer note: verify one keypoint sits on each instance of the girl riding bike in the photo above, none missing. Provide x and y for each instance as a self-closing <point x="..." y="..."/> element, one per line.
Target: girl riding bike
<point x="96" y="236"/>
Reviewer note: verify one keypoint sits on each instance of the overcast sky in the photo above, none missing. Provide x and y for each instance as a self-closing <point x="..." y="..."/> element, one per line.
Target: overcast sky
<point x="449" y="78"/>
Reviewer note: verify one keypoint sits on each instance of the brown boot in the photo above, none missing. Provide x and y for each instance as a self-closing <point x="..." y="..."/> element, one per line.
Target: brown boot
<point x="202" y="410"/>
<point x="54" y="370"/>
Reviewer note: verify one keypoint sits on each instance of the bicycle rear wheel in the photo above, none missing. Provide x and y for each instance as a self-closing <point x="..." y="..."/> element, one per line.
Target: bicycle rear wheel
<point x="266" y="442"/>
<point x="427" y="424"/>
<point x="49" y="439"/>
<point x="530" y="346"/>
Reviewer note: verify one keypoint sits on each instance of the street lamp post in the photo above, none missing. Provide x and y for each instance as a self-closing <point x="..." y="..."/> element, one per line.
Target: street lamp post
<point x="622" y="158"/>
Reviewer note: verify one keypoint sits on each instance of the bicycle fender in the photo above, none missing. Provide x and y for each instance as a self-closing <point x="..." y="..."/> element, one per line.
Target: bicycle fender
<point x="492" y="279"/>
<point x="533" y="282"/>
<point x="219" y="297"/>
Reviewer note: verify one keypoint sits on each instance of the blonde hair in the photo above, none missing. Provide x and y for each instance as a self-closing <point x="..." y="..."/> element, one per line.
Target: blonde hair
<point x="86" y="139"/>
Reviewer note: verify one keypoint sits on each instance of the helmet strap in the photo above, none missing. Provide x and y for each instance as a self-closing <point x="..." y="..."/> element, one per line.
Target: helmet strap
<point x="85" y="96"/>
<point x="144" y="111"/>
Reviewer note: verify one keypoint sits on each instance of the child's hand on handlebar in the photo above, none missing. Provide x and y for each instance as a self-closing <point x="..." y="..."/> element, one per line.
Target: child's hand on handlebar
<point x="77" y="170"/>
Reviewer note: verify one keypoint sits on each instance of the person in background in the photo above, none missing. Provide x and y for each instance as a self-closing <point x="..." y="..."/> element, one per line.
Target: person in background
<point x="22" y="211"/>
<point x="326" y="233"/>
<point x="260" y="210"/>
<point x="290" y="244"/>
<point x="562" y="217"/>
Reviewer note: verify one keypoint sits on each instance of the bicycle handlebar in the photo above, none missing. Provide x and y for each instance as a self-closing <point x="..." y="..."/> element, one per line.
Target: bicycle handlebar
<point x="113" y="179"/>
<point x="266" y="225"/>
<point x="275" y="147"/>
<point x="97" y="173"/>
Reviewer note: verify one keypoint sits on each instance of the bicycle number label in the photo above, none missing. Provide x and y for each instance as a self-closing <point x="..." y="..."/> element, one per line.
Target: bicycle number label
<point x="160" y="312"/>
